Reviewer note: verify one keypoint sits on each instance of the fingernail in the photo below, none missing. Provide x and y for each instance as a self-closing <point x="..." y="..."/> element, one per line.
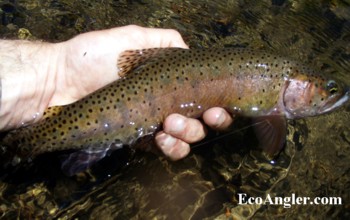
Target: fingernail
<point x="178" y="125"/>
<point x="166" y="142"/>
<point x="169" y="141"/>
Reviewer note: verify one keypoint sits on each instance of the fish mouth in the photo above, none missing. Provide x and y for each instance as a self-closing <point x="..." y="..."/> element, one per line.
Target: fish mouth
<point x="338" y="103"/>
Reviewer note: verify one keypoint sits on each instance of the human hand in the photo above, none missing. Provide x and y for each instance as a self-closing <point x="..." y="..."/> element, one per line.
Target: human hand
<point x="37" y="75"/>
<point x="179" y="131"/>
<point x="90" y="59"/>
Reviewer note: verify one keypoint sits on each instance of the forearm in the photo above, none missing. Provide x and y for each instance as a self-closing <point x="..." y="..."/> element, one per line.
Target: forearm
<point x="27" y="74"/>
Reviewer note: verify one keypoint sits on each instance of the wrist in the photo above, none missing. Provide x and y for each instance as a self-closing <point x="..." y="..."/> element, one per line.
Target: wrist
<point x="28" y="71"/>
<point x="87" y="63"/>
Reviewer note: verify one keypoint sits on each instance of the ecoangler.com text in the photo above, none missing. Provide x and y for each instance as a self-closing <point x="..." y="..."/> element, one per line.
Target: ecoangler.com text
<point x="288" y="201"/>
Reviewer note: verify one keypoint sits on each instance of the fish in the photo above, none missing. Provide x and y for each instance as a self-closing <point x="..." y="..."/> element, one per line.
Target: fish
<point x="267" y="87"/>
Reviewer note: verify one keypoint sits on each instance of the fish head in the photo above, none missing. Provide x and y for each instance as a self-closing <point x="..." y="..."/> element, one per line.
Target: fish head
<point x="307" y="96"/>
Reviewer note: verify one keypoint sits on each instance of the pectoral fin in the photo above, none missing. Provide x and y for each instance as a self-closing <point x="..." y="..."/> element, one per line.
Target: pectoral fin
<point x="271" y="132"/>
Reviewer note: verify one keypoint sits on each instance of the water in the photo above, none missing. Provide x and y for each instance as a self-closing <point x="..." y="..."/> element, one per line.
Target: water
<point x="205" y="184"/>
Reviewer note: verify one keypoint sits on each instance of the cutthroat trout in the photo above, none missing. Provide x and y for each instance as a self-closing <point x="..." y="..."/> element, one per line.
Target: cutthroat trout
<point x="158" y="82"/>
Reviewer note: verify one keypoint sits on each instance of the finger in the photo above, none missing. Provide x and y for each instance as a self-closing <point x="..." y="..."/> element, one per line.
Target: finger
<point x="171" y="38"/>
<point x="158" y="37"/>
<point x="187" y="129"/>
<point x="217" y="118"/>
<point x="172" y="147"/>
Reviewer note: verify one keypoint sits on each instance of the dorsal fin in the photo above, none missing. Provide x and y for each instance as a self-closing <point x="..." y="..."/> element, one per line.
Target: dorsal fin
<point x="130" y="59"/>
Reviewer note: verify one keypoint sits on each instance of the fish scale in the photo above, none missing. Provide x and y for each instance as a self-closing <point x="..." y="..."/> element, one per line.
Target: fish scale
<point x="158" y="82"/>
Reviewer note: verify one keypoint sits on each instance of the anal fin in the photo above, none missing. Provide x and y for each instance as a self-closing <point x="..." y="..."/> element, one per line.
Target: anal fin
<point x="271" y="132"/>
<point x="83" y="159"/>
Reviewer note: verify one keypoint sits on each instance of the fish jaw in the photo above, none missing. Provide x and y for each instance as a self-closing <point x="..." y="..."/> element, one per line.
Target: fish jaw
<point x="330" y="107"/>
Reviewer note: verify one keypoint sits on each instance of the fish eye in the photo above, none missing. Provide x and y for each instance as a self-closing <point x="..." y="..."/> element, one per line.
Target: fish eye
<point x="332" y="87"/>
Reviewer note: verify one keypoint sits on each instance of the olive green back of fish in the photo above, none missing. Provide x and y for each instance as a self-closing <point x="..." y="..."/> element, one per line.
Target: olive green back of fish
<point x="169" y="80"/>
